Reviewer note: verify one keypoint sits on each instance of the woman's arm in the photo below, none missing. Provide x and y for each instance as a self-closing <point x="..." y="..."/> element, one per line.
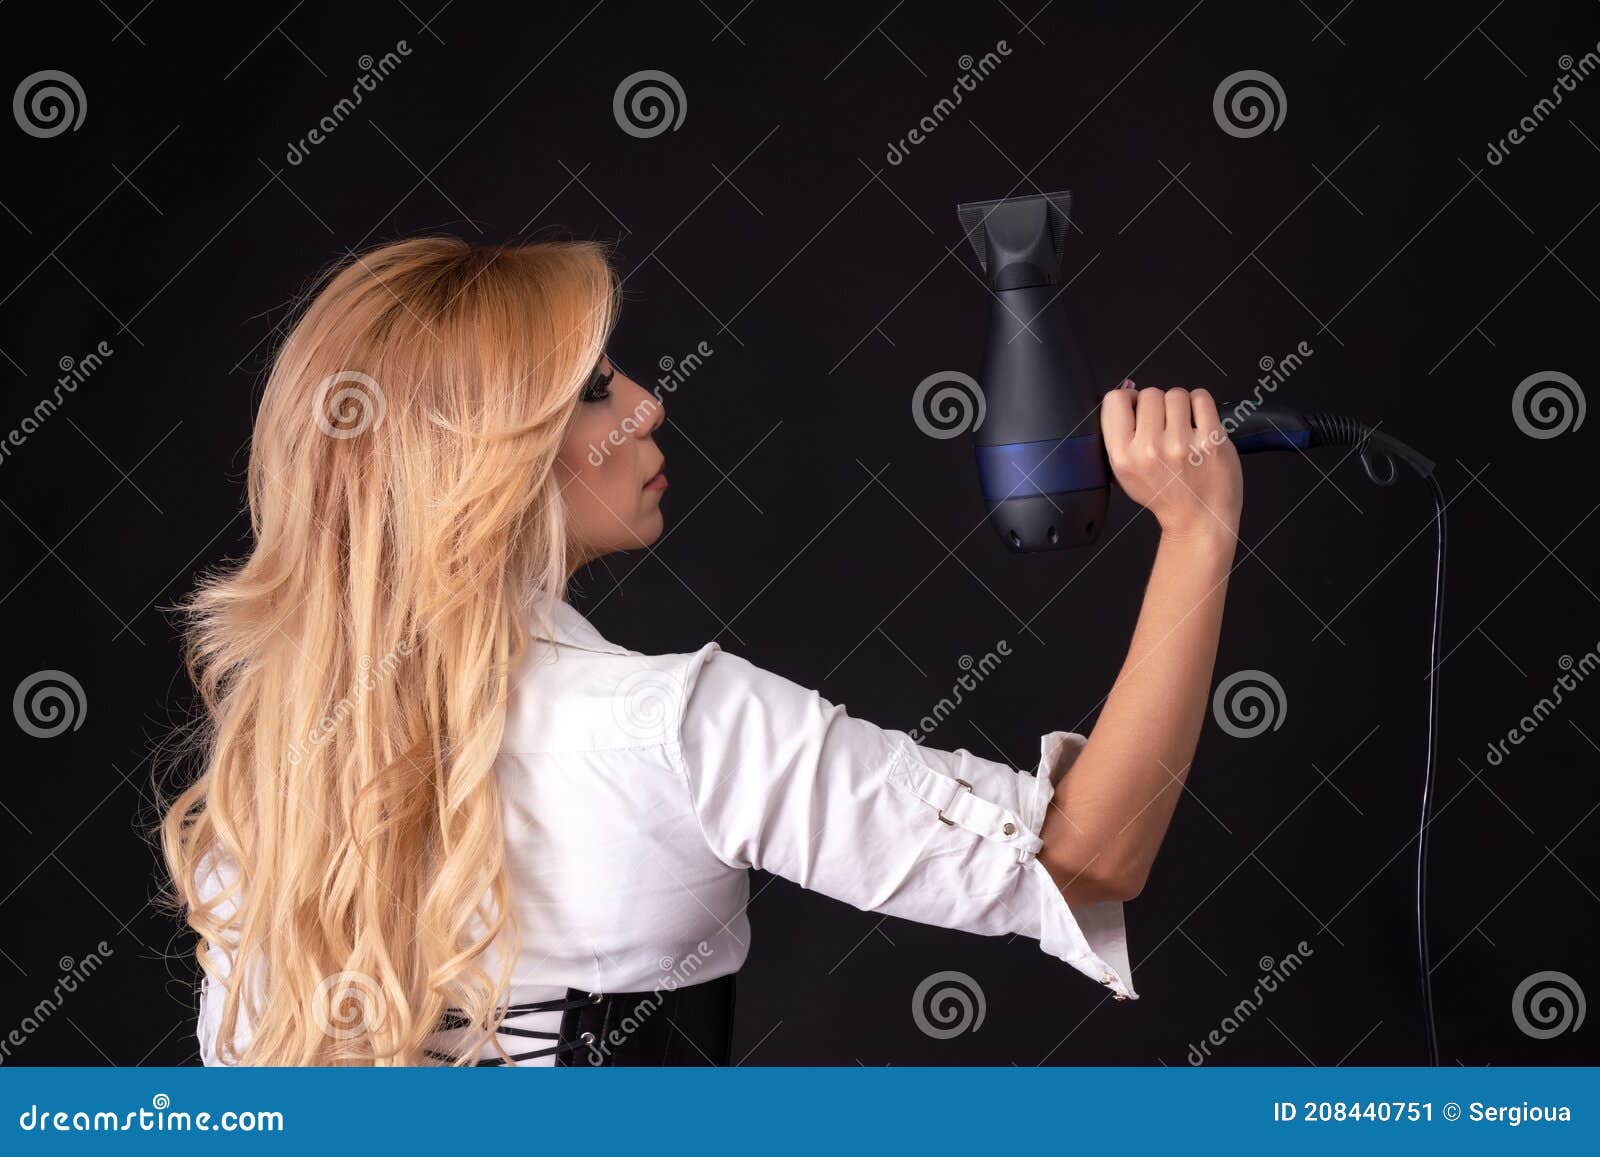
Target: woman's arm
<point x="1111" y="810"/>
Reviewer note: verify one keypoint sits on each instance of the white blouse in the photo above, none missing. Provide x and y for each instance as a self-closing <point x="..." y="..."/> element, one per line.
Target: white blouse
<point x="637" y="790"/>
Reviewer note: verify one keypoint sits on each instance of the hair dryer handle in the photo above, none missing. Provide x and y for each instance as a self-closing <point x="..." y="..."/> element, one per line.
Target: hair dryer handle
<point x="1264" y="428"/>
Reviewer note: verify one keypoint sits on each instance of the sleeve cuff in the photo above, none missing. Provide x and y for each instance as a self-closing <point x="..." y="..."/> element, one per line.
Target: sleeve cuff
<point x="1092" y="937"/>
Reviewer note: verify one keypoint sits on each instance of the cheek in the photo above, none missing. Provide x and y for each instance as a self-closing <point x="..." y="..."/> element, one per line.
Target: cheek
<point x="596" y="456"/>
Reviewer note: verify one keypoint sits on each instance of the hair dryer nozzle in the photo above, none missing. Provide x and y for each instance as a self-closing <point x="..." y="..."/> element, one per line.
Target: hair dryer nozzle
<point x="1018" y="240"/>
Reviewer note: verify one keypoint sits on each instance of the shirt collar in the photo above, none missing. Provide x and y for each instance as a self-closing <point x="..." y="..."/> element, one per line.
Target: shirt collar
<point x="568" y="628"/>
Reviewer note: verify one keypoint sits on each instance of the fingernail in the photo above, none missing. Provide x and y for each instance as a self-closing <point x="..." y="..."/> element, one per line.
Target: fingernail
<point x="1127" y="384"/>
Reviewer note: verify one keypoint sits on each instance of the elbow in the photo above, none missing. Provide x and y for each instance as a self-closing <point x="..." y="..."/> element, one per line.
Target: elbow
<point x="1128" y="885"/>
<point x="1124" y="884"/>
<point x="1098" y="881"/>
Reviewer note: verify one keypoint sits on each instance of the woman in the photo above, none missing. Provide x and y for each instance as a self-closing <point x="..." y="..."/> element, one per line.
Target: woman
<point x="442" y="820"/>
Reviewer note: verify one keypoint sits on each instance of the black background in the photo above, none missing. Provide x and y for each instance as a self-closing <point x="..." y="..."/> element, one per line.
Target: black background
<point x="814" y="529"/>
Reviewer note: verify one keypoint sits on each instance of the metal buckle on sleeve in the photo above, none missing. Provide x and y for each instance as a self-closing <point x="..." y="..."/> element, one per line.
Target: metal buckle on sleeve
<point x="952" y="823"/>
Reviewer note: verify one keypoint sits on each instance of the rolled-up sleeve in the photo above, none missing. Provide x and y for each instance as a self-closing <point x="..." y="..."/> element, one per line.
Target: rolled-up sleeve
<point x="785" y="781"/>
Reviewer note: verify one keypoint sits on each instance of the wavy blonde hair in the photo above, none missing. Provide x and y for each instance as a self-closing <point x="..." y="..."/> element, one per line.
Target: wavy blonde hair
<point x="342" y="845"/>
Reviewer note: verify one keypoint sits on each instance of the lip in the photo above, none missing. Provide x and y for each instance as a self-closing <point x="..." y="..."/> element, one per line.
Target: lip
<point x="658" y="481"/>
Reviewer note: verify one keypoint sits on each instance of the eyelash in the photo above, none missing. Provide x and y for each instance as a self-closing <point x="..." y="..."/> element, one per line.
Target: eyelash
<point x="598" y="388"/>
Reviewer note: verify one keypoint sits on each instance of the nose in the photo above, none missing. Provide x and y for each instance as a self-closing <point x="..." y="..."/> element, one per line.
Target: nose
<point x="654" y="409"/>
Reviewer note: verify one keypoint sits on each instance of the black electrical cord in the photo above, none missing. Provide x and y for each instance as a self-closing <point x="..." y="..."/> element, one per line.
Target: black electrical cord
<point x="1379" y="448"/>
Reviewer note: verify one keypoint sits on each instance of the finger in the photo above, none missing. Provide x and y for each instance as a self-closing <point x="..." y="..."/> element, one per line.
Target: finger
<point x="1116" y="417"/>
<point x="1180" y="417"/>
<point x="1150" y="417"/>
<point x="1206" y="418"/>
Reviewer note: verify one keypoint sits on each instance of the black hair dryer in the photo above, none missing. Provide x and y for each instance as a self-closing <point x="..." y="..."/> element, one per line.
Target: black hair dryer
<point x="1041" y="460"/>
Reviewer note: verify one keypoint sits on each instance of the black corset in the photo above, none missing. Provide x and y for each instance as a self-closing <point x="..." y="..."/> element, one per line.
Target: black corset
<point x="689" y="1025"/>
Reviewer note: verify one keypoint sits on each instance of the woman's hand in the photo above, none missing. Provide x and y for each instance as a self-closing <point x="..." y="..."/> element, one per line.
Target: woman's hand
<point x="1171" y="455"/>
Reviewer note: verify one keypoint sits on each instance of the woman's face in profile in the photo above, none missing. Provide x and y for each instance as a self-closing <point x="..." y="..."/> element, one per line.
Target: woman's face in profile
<point x="609" y="468"/>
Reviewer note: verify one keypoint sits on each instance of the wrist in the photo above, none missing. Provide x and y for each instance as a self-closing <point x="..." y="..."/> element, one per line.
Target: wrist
<point x="1205" y="532"/>
<point x="1214" y="536"/>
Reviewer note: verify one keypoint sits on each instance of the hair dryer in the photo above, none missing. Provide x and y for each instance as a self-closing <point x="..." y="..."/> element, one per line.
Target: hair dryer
<point x="1041" y="460"/>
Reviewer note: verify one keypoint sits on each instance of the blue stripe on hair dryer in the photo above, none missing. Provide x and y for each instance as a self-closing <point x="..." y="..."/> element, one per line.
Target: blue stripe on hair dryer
<point x="1041" y="461"/>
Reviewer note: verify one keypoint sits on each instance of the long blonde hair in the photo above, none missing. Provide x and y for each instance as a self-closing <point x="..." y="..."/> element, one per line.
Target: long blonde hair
<point x="354" y="669"/>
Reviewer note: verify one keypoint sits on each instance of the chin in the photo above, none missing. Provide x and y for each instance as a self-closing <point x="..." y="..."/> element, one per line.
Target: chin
<point x="649" y="528"/>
